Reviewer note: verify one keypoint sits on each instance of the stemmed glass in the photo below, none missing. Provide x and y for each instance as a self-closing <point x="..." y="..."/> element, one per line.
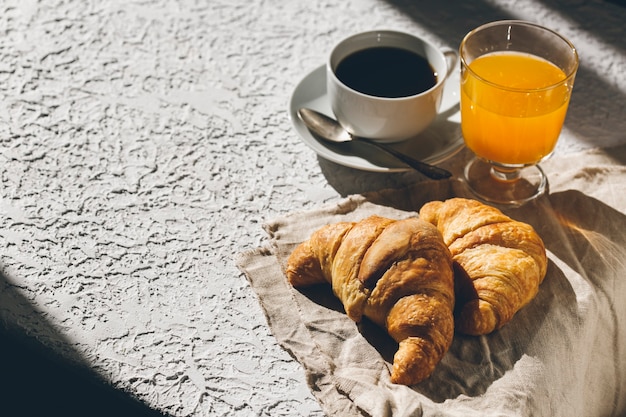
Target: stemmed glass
<point x="516" y="82"/>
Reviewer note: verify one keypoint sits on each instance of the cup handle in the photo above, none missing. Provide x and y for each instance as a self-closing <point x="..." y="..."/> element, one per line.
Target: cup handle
<point x="451" y="59"/>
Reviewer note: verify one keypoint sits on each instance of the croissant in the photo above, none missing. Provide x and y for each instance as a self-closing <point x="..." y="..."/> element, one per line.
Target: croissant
<point x="499" y="262"/>
<point x="397" y="273"/>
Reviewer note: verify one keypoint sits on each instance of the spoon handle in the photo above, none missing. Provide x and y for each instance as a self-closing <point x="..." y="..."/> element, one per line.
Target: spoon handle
<point x="329" y="129"/>
<point x="430" y="171"/>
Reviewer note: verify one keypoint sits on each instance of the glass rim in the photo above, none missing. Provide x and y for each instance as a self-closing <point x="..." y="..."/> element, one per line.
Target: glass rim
<point x="568" y="76"/>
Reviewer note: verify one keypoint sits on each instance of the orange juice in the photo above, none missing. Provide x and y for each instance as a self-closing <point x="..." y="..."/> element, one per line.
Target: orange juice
<point x="515" y="117"/>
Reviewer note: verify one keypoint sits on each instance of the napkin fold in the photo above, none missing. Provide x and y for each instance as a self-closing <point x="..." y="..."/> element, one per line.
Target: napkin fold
<point x="564" y="354"/>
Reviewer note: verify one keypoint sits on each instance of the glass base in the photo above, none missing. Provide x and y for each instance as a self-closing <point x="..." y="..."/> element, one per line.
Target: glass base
<point x="505" y="185"/>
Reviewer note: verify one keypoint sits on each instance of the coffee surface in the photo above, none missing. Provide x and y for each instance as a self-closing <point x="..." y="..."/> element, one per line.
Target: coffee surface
<point x="386" y="72"/>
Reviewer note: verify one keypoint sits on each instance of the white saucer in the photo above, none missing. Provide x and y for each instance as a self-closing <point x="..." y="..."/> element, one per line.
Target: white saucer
<point x="439" y="142"/>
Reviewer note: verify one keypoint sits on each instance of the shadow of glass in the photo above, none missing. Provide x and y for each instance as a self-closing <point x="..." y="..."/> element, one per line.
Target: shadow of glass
<point x="588" y="237"/>
<point x="38" y="381"/>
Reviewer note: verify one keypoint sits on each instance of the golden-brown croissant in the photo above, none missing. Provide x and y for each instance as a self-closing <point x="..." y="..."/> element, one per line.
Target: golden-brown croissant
<point x="397" y="273"/>
<point x="502" y="262"/>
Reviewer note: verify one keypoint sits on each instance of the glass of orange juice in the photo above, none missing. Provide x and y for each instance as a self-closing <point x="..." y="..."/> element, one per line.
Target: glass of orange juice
<point x="516" y="82"/>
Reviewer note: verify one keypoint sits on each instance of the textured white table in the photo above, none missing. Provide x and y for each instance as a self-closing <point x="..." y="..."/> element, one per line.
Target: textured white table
<point x="144" y="143"/>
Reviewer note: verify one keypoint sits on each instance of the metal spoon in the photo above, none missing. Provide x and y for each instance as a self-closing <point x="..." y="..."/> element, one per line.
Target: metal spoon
<point x="329" y="129"/>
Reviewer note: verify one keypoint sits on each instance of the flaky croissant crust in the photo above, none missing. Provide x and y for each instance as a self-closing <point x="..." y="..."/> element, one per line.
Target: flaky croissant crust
<point x="500" y="262"/>
<point x="397" y="273"/>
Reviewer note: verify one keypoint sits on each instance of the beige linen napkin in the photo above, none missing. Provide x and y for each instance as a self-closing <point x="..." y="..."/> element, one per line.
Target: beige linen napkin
<point x="562" y="355"/>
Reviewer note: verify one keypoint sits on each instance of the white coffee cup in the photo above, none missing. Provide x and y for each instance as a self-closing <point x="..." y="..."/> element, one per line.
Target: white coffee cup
<point x="379" y="117"/>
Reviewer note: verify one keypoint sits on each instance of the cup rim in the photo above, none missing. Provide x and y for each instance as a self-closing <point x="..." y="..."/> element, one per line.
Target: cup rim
<point x="568" y="76"/>
<point x="331" y="71"/>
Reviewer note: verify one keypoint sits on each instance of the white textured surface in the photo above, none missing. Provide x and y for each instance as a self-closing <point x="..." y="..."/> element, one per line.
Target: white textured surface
<point x="143" y="144"/>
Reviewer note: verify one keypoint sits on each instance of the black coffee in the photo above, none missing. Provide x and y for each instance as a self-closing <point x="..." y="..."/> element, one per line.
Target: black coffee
<point x="386" y="72"/>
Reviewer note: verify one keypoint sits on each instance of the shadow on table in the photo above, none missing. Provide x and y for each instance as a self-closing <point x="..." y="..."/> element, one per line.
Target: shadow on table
<point x="36" y="381"/>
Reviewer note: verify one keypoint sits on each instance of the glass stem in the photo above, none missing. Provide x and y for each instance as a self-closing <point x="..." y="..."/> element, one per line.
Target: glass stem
<point x="505" y="174"/>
